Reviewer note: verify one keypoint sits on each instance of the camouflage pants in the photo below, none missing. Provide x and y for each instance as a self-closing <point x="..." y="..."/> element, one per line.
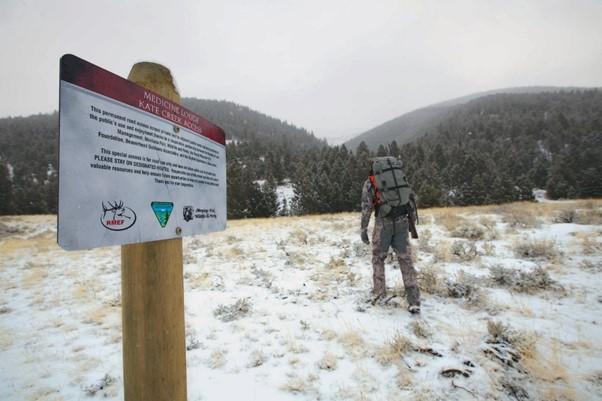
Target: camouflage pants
<point x="393" y="233"/>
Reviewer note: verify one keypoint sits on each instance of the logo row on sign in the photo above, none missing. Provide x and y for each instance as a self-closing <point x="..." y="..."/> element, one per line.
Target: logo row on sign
<point x="116" y="216"/>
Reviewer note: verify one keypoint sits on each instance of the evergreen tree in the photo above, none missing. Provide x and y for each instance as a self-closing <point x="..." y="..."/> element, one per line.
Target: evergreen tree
<point x="236" y="196"/>
<point x="263" y="199"/>
<point x="6" y="191"/>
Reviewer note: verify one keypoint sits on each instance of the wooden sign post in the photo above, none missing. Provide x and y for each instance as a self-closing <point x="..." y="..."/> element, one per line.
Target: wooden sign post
<point x="152" y="288"/>
<point x="139" y="170"/>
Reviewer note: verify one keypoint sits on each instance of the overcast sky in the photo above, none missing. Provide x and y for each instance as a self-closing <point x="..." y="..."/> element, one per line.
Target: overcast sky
<point x="335" y="67"/>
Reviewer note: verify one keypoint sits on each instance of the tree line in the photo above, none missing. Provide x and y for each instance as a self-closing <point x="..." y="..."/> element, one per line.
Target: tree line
<point x="494" y="149"/>
<point x="491" y="150"/>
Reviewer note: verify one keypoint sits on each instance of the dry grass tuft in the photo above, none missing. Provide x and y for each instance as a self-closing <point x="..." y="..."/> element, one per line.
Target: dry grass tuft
<point x="429" y="280"/>
<point x="488" y="249"/>
<point x="589" y="217"/>
<point x="295" y="385"/>
<point x="328" y="362"/>
<point x="404" y="378"/>
<point x="528" y="282"/>
<point x="466" y="286"/>
<point x="296" y="347"/>
<point x="590" y="245"/>
<point x="100" y="386"/>
<point x="353" y="343"/>
<point x="443" y="252"/>
<point x="559" y="392"/>
<point x="393" y="350"/>
<point x="469" y="230"/>
<point x="448" y="218"/>
<point x="524" y="343"/>
<point x="465" y="251"/>
<point x="424" y="242"/>
<point x="217" y="359"/>
<point x="328" y="334"/>
<point x="298" y="236"/>
<point x="256" y="358"/>
<point x="228" y="313"/>
<point x="420" y="329"/>
<point x="536" y="249"/>
<point x="565" y="216"/>
<point x="519" y="216"/>
<point x="336" y="263"/>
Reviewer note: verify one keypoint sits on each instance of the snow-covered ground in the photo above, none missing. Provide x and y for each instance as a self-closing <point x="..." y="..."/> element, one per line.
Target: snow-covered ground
<point x="276" y="310"/>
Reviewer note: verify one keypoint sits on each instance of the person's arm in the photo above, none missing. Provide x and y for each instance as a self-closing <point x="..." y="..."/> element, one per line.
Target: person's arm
<point x="367" y="208"/>
<point x="413" y="216"/>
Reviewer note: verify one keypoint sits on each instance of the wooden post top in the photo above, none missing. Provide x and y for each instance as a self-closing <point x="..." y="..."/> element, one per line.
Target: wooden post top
<point x="155" y="77"/>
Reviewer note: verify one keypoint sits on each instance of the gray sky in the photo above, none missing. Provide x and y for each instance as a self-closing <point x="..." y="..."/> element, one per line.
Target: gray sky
<point x="335" y="67"/>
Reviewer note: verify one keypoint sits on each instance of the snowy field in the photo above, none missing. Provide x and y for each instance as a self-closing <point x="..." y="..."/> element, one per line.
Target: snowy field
<point x="276" y="310"/>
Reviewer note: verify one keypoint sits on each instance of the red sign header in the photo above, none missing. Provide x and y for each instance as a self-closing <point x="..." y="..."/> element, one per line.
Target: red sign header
<point x="91" y="77"/>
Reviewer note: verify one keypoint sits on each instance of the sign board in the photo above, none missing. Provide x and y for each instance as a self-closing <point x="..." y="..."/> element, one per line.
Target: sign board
<point x="133" y="166"/>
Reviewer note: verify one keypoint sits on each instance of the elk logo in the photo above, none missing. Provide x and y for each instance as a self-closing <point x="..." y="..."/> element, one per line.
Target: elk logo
<point x="116" y="216"/>
<point x="188" y="213"/>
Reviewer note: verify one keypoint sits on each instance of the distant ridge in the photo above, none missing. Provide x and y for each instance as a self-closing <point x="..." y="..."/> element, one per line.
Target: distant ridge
<point x="414" y="124"/>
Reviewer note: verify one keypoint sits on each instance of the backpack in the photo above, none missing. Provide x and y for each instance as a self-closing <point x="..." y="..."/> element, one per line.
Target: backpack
<point x="390" y="186"/>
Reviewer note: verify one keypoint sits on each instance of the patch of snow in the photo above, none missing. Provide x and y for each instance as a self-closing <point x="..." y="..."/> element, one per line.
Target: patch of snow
<point x="307" y="280"/>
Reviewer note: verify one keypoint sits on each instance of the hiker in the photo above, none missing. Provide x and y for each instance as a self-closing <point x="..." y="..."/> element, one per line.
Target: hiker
<point x="387" y="192"/>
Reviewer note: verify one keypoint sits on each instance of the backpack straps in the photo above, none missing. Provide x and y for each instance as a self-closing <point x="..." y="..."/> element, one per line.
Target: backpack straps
<point x="376" y="198"/>
<point x="391" y="168"/>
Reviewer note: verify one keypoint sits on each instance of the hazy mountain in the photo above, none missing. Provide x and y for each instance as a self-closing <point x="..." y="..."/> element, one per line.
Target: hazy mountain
<point x="243" y="124"/>
<point x="409" y="126"/>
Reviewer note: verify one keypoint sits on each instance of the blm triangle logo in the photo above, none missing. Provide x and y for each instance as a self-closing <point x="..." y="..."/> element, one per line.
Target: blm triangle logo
<point x="162" y="211"/>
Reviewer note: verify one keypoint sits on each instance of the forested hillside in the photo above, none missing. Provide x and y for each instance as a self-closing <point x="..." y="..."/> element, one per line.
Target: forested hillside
<point x="29" y="154"/>
<point x="412" y="125"/>
<point x="491" y="149"/>
<point x="245" y="125"/>
<point x="497" y="148"/>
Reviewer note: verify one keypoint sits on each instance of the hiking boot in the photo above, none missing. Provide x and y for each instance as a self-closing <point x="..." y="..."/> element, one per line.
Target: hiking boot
<point x="413" y="295"/>
<point x="414" y="309"/>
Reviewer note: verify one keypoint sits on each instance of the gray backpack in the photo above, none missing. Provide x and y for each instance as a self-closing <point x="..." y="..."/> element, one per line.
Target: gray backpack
<point x="391" y="187"/>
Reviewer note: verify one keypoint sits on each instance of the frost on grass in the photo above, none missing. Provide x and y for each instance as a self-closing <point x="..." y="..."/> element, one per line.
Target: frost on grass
<point x="516" y="351"/>
<point x="328" y="361"/>
<point x="192" y="342"/>
<point x="509" y="346"/>
<point x="299" y="385"/>
<point x="101" y="385"/>
<point x="529" y="282"/>
<point x="464" y="251"/>
<point x="216" y="359"/>
<point x="536" y="249"/>
<point x="420" y="329"/>
<point x="256" y="358"/>
<point x="262" y="277"/>
<point x="228" y="313"/>
<point x="465" y="286"/>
